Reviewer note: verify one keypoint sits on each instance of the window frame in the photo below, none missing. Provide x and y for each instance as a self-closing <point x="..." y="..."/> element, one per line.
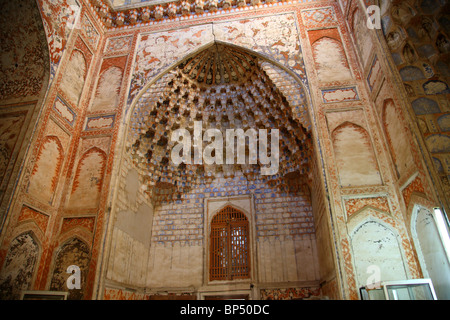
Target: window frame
<point x="229" y="245"/>
<point x="244" y="204"/>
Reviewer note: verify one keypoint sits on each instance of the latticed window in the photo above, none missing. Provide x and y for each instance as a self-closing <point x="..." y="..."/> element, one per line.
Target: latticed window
<point x="229" y="245"/>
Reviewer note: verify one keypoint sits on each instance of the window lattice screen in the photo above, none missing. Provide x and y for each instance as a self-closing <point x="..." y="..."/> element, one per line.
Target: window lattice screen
<point x="229" y="245"/>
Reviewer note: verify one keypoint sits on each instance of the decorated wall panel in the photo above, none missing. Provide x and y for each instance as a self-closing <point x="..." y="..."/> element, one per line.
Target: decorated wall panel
<point x="109" y="83"/>
<point x="73" y="252"/>
<point x="329" y="56"/>
<point x="48" y="163"/>
<point x="11" y="134"/>
<point x="88" y="179"/>
<point x="19" y="266"/>
<point x="375" y="245"/>
<point x="59" y="18"/>
<point x="46" y="171"/>
<point x="73" y="80"/>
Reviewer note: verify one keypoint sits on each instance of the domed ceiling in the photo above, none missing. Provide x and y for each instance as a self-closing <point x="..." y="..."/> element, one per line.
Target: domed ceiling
<point x="219" y="64"/>
<point x="224" y="88"/>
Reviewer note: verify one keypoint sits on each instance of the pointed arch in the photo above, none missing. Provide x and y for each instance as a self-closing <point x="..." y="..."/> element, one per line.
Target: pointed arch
<point x="72" y="81"/>
<point x="355" y="157"/>
<point x="88" y="179"/>
<point x="330" y="59"/>
<point x="19" y="268"/>
<point x="398" y="141"/>
<point x="199" y="49"/>
<point x="46" y="171"/>
<point x="73" y="251"/>
<point x="377" y="245"/>
<point x="108" y="89"/>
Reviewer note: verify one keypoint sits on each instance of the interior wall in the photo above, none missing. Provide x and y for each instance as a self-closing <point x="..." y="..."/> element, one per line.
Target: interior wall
<point x="132" y="231"/>
<point x="432" y="255"/>
<point x="417" y="35"/>
<point x="25" y="77"/>
<point x="89" y="202"/>
<point x="58" y="162"/>
<point x="326" y="253"/>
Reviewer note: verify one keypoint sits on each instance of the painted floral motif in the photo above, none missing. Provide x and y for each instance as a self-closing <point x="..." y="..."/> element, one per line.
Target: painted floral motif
<point x="59" y="17"/>
<point x="23" y="58"/>
<point x="289" y="293"/>
<point x="274" y="37"/>
<point x="17" y="272"/>
<point x="28" y="214"/>
<point x="354" y="206"/>
<point x="70" y="223"/>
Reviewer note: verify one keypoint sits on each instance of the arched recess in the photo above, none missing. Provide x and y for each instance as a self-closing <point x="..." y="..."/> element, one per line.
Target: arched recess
<point x="377" y="251"/>
<point x="244" y="207"/>
<point x="108" y="89"/>
<point x="19" y="268"/>
<point x="430" y="251"/>
<point x="72" y="82"/>
<point x="355" y="156"/>
<point x="72" y="252"/>
<point x="167" y="76"/>
<point x="88" y="179"/>
<point x="46" y="170"/>
<point x="129" y="149"/>
<point x="330" y="67"/>
<point x="396" y="137"/>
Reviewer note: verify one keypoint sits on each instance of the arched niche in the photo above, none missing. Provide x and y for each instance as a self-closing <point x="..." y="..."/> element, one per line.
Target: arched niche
<point x="144" y="136"/>
<point x="72" y="252"/>
<point x="182" y="95"/>
<point x="355" y="157"/>
<point x="19" y="267"/>
<point x="377" y="252"/>
<point x="44" y="177"/>
<point x="72" y="82"/>
<point x="108" y="89"/>
<point x="430" y="251"/>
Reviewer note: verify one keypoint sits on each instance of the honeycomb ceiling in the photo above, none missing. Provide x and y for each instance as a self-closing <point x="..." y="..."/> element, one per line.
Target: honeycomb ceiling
<point x="123" y="13"/>
<point x="225" y="88"/>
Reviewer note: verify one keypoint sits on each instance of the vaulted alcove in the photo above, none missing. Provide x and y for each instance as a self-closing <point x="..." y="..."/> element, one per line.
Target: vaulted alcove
<point x="218" y="96"/>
